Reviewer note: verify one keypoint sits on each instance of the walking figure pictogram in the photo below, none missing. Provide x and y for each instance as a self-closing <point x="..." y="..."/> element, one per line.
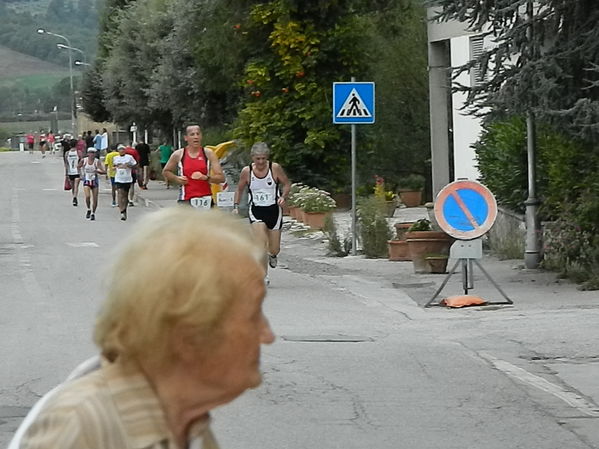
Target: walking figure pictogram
<point x="353" y="106"/>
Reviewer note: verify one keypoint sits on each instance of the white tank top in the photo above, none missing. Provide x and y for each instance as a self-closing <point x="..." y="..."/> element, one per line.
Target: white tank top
<point x="263" y="191"/>
<point x="90" y="171"/>
<point x="72" y="162"/>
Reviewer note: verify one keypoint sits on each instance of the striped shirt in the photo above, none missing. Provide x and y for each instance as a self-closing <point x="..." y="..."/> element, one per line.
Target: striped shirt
<point x="111" y="408"/>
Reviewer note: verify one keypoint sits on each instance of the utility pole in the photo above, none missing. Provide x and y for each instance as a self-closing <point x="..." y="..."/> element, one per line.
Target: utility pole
<point x="532" y="252"/>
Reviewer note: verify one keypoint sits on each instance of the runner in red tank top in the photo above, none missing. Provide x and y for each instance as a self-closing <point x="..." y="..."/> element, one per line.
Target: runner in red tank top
<point x="194" y="168"/>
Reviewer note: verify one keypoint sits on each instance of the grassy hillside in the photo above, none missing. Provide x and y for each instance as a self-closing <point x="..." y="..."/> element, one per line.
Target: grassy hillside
<point x="17" y="65"/>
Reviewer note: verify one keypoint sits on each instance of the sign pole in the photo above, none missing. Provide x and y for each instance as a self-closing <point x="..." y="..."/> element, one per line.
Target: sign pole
<point x="353" y="191"/>
<point x="353" y="104"/>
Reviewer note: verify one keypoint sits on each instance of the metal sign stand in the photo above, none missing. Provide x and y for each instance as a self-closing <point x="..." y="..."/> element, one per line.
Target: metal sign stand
<point x="467" y="252"/>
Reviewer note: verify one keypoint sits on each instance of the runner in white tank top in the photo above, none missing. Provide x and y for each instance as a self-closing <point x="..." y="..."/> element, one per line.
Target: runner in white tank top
<point x="91" y="181"/>
<point x="71" y="164"/>
<point x="263" y="180"/>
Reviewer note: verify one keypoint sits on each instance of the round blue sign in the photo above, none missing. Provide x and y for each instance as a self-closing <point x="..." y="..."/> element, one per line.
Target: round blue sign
<point x="465" y="209"/>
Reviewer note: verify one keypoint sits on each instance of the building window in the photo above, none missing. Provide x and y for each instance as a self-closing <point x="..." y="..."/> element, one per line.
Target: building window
<point x="476" y="50"/>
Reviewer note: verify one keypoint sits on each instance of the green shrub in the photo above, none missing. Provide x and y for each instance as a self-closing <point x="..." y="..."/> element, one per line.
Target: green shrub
<point x="423" y="224"/>
<point x="373" y="228"/>
<point x="336" y="247"/>
<point x="411" y="182"/>
<point x="567" y="187"/>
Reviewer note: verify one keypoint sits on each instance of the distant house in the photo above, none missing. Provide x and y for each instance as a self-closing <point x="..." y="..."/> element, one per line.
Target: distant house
<point x="452" y="130"/>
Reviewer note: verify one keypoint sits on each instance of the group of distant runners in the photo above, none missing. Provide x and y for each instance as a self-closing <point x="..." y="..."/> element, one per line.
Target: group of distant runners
<point x="193" y="169"/>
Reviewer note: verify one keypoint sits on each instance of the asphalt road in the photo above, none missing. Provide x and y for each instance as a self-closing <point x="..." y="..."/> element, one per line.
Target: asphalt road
<point x="357" y="363"/>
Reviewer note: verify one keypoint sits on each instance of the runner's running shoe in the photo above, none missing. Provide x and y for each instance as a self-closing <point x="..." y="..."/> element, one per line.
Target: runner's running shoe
<point x="272" y="261"/>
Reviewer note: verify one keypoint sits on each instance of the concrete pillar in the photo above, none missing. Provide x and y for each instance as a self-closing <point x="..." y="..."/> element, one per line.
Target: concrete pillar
<point x="438" y="61"/>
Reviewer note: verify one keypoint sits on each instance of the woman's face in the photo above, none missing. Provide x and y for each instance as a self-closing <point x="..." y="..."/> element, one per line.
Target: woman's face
<point x="231" y="364"/>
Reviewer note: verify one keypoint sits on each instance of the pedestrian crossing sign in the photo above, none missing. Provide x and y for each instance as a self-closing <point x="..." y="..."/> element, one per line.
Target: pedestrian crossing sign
<point x="353" y="103"/>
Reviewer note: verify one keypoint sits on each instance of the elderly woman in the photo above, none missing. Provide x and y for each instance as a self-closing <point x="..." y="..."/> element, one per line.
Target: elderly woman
<point x="179" y="338"/>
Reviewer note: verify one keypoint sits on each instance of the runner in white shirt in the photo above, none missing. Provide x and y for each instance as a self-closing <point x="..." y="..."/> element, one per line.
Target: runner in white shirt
<point x="123" y="178"/>
<point x="71" y="163"/>
<point x="91" y="168"/>
<point x="268" y="188"/>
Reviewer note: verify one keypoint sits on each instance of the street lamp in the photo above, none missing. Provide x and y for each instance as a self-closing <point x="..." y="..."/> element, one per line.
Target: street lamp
<point x="66" y="47"/>
<point x="70" y="48"/>
<point x="77" y="62"/>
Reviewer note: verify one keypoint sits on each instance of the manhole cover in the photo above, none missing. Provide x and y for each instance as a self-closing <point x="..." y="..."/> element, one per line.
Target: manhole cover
<point x="327" y="338"/>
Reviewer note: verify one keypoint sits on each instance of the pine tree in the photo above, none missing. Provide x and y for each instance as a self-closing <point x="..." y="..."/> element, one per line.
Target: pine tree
<point x="542" y="58"/>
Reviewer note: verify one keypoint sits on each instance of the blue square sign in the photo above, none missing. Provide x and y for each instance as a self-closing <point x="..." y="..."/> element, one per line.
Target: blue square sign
<point x="353" y="103"/>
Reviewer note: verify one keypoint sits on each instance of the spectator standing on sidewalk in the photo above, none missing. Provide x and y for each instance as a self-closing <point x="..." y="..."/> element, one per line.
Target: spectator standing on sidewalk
<point x="89" y="140"/>
<point x="124" y="164"/>
<point x="104" y="143"/>
<point x="165" y="153"/>
<point x="173" y="350"/>
<point x="143" y="173"/>
<point x="194" y="168"/>
<point x="98" y="142"/>
<point x="268" y="188"/>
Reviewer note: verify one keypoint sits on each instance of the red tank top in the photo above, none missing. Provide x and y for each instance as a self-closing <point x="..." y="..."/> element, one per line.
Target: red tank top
<point x="195" y="188"/>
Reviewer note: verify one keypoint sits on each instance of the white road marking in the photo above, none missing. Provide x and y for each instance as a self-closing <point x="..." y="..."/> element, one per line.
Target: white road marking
<point x="571" y="398"/>
<point x="36" y="162"/>
<point x="49" y="190"/>
<point x="83" y="245"/>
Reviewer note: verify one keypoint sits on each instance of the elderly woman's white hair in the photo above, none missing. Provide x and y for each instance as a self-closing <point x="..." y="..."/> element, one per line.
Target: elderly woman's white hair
<point x="178" y="268"/>
<point x="259" y="148"/>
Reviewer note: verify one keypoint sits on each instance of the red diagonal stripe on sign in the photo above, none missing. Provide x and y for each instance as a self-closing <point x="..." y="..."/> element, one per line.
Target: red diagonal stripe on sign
<point x="464" y="208"/>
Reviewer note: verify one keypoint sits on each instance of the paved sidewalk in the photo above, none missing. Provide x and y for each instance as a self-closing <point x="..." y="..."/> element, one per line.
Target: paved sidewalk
<point x="536" y="289"/>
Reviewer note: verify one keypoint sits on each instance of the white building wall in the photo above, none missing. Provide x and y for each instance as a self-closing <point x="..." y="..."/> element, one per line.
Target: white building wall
<point x="466" y="128"/>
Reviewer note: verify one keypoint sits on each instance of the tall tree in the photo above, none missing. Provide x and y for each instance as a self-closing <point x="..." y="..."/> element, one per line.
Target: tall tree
<point x="543" y="62"/>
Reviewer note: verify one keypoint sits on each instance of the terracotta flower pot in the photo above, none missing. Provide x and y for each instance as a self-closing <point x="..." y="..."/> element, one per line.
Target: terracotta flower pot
<point x="343" y="200"/>
<point x="293" y="211"/>
<point x="423" y="243"/>
<point x="401" y="229"/>
<point x="411" y="198"/>
<point x="398" y="250"/>
<point x="315" y="219"/>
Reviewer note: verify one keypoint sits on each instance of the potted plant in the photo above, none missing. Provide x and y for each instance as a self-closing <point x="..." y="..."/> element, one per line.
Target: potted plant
<point x="315" y="204"/>
<point x="398" y="247"/>
<point x="423" y="240"/>
<point x="410" y="190"/>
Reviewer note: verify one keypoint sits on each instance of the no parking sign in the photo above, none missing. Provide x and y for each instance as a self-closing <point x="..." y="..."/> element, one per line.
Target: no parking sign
<point x="465" y="209"/>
